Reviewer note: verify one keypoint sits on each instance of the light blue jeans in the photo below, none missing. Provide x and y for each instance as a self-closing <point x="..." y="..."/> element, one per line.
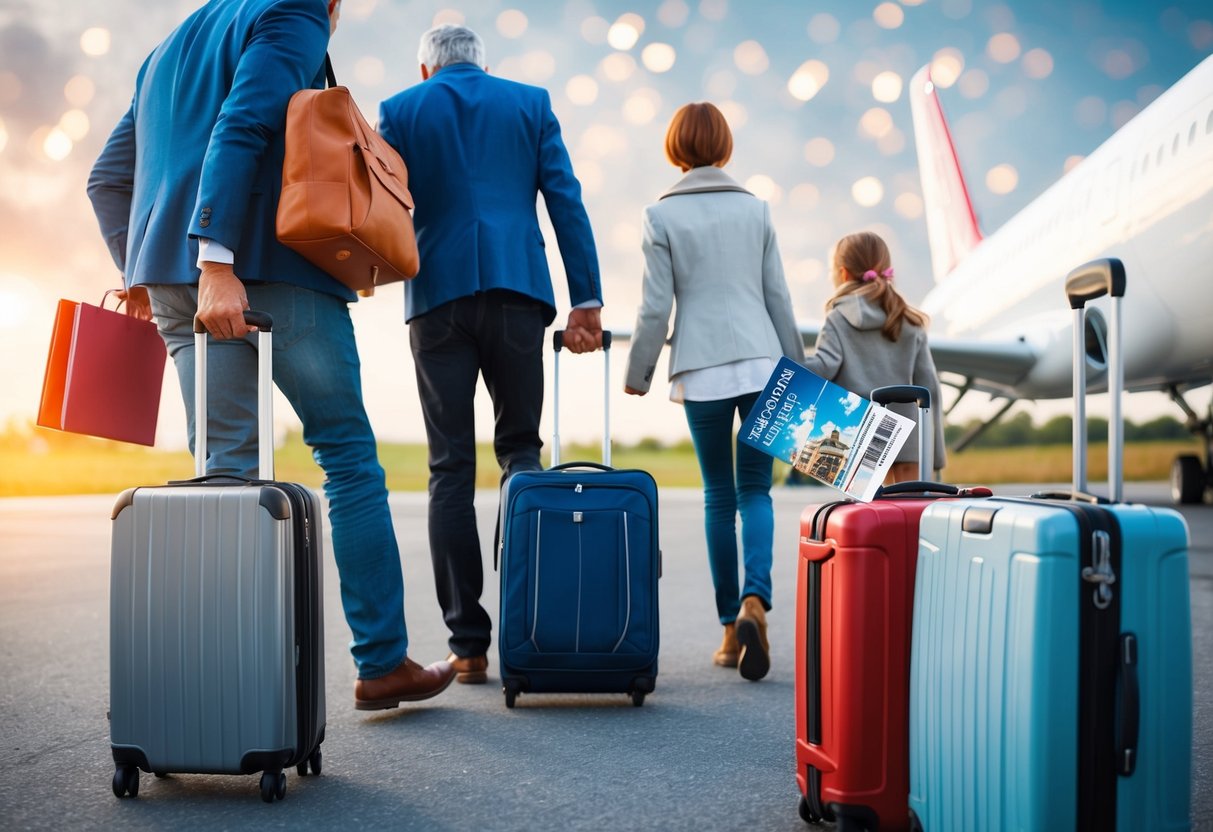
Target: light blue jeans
<point x="730" y="489"/>
<point x="316" y="367"/>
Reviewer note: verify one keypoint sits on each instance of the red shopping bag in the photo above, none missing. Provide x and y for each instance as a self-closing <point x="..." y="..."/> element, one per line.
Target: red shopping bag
<point x="103" y="374"/>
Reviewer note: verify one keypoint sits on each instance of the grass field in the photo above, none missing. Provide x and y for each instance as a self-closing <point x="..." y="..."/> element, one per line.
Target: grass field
<point x="49" y="463"/>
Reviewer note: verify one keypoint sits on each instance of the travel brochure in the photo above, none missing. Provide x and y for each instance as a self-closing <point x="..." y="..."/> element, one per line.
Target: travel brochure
<point x="825" y="431"/>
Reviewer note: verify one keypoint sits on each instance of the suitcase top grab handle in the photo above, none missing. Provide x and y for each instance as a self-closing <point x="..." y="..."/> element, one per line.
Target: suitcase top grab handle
<point x="265" y="402"/>
<point x="921" y="396"/>
<point x="1094" y="280"/>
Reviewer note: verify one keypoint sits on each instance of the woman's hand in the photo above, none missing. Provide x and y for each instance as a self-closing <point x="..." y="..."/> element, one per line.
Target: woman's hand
<point x="632" y="391"/>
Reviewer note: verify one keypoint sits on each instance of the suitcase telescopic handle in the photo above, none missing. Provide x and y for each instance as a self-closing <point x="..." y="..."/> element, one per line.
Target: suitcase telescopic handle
<point x="1086" y="283"/>
<point x="921" y="396"/>
<point x="265" y="402"/>
<point x="558" y="347"/>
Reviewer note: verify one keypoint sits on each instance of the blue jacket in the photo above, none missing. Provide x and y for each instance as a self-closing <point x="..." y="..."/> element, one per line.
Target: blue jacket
<point x="199" y="152"/>
<point x="480" y="150"/>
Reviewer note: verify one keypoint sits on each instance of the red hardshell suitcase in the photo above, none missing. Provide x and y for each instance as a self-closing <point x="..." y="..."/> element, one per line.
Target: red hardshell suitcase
<point x="854" y="603"/>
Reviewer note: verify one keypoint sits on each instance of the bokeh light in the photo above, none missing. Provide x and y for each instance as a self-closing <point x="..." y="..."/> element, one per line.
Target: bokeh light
<point x="538" y="65"/>
<point x="1090" y="111"/>
<point x="95" y="42"/>
<point x="1200" y="35"/>
<point x="886" y="87"/>
<point x="974" y="83"/>
<point x="714" y="10"/>
<point x="1071" y="163"/>
<point x="764" y="187"/>
<point x="908" y="205"/>
<point x="1123" y="112"/>
<point x="721" y="84"/>
<point x="673" y="13"/>
<point x="642" y="106"/>
<point x="1037" y="64"/>
<point x="1003" y="48"/>
<point x="601" y="140"/>
<point x="591" y="176"/>
<point x="876" y="122"/>
<point x="804" y="197"/>
<point x="824" y="28"/>
<point x="625" y="31"/>
<point x="595" y="30"/>
<point x="819" y="151"/>
<point x="868" y="191"/>
<point x="808" y="80"/>
<point x="512" y="23"/>
<point x="946" y="67"/>
<point x="888" y="15"/>
<point x="79" y="90"/>
<point x="751" y="58"/>
<point x="892" y="142"/>
<point x="3" y="136"/>
<point x="734" y="113"/>
<point x="618" y="66"/>
<point x="369" y="70"/>
<point x="808" y="270"/>
<point x="658" y="57"/>
<point x="10" y="87"/>
<point x="1002" y="179"/>
<point x="582" y="90"/>
<point x="1117" y="64"/>
<point x="451" y="16"/>
<point x="56" y="144"/>
<point x="75" y="124"/>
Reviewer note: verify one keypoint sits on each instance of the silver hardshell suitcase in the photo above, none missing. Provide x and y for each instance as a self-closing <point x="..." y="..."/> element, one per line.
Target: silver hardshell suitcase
<point x="216" y="626"/>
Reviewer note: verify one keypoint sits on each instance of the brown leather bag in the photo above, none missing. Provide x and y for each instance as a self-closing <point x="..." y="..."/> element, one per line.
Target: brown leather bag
<point x="345" y="198"/>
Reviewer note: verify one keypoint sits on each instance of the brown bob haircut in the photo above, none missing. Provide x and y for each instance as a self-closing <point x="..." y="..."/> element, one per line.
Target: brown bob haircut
<point x="698" y="136"/>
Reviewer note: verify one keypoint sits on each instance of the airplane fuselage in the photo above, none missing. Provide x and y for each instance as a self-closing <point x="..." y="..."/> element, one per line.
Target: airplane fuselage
<point x="1146" y="197"/>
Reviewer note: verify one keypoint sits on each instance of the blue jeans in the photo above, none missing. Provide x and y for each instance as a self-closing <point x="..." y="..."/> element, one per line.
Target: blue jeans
<point x="316" y="367"/>
<point x="727" y="491"/>
<point x="497" y="335"/>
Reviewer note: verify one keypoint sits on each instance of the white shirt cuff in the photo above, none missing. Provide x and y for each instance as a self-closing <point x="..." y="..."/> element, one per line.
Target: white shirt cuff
<point x="589" y="304"/>
<point x="213" y="252"/>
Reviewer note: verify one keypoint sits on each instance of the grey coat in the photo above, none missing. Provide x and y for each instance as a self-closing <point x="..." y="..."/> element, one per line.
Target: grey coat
<point x="710" y="245"/>
<point x="852" y="352"/>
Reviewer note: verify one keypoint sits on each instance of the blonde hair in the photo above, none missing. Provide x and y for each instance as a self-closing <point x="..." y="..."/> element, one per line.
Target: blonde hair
<point x="865" y="253"/>
<point x="698" y="136"/>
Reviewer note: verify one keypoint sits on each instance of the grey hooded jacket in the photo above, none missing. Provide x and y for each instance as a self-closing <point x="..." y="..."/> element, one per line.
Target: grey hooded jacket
<point x="852" y="352"/>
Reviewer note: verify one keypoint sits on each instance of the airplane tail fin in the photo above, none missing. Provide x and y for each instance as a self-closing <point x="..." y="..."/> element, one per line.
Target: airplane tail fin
<point x="952" y="228"/>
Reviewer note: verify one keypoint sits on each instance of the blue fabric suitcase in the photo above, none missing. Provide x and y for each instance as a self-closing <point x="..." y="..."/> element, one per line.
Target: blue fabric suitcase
<point x="579" y="564"/>
<point x="1051" y="658"/>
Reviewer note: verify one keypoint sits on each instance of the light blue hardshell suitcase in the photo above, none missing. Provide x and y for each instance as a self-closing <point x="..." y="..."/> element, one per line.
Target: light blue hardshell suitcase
<point x="579" y="563"/>
<point x="1051" y="659"/>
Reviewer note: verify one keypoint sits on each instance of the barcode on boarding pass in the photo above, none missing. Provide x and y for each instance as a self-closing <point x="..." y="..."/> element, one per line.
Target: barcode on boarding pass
<point x="874" y="455"/>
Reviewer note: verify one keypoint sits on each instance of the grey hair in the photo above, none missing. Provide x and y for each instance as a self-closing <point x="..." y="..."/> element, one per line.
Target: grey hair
<point x="450" y="44"/>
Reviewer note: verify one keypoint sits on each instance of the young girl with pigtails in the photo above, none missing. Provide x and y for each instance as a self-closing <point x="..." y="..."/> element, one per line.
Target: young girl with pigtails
<point x="872" y="338"/>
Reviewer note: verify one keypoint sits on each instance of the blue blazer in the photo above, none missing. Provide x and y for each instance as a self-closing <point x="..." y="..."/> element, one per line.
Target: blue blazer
<point x="480" y="150"/>
<point x="199" y="152"/>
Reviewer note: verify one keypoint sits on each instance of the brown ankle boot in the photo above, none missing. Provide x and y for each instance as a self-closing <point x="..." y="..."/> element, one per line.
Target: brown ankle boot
<point x="726" y="656"/>
<point x="754" y="655"/>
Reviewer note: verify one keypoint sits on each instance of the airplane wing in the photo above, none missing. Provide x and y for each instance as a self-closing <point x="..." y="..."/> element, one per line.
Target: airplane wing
<point x="992" y="366"/>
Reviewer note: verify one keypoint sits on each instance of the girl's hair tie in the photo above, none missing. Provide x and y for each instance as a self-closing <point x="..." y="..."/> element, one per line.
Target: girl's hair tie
<point x="872" y="274"/>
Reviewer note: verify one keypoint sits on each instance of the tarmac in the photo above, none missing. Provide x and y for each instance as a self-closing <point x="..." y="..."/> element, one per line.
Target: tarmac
<point x="708" y="750"/>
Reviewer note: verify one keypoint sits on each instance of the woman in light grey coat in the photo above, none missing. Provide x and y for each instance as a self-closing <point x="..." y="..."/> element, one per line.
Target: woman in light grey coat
<point x="871" y="338"/>
<point x="711" y="259"/>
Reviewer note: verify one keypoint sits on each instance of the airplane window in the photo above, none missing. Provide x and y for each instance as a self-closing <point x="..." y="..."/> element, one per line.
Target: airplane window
<point x="1209" y="123"/>
<point x="1191" y="134"/>
<point x="1160" y="150"/>
<point x="1145" y="163"/>
<point x="1175" y="145"/>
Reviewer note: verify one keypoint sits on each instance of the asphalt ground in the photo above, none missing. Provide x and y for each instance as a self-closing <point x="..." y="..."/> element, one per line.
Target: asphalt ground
<point x="708" y="750"/>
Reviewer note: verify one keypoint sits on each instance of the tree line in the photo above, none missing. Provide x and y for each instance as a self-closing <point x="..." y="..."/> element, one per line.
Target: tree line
<point x="1020" y="430"/>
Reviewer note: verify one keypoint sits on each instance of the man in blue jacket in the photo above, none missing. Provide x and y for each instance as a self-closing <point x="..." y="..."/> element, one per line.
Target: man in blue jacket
<point x="480" y="150"/>
<point x="186" y="193"/>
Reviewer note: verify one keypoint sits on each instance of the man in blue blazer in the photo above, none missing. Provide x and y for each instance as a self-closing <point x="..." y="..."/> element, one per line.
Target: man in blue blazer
<point x="186" y="193"/>
<point x="480" y="150"/>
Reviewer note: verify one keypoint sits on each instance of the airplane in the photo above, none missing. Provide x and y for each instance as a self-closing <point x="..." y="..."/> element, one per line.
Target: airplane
<point x="999" y="320"/>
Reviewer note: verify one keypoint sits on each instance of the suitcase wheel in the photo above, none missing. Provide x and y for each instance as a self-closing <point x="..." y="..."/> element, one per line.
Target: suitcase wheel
<point x="273" y="785"/>
<point x="313" y="761"/>
<point x="126" y="781"/>
<point x="806" y="811"/>
<point x="637" y="698"/>
<point x="511" y="688"/>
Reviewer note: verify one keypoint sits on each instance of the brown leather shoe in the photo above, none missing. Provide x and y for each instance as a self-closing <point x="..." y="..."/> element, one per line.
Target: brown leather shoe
<point x="754" y="657"/>
<point x="409" y="682"/>
<point x="470" y="670"/>
<point x="726" y="656"/>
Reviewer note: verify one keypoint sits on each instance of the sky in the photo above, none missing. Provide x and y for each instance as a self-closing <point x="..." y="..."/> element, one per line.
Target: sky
<point x="814" y="92"/>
